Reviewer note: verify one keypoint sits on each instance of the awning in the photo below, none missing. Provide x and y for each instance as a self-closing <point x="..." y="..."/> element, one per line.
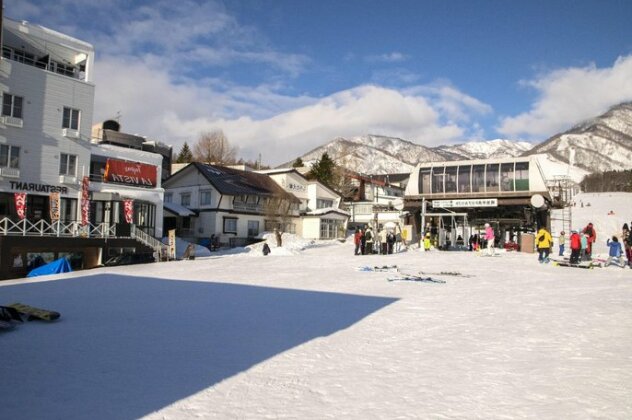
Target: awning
<point x="178" y="210"/>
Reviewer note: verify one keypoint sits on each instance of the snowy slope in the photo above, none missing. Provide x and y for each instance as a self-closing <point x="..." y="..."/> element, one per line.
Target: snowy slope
<point x="498" y="148"/>
<point x="302" y="334"/>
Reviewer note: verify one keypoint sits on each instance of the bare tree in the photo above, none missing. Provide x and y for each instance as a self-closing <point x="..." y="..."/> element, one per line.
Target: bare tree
<point x="214" y="147"/>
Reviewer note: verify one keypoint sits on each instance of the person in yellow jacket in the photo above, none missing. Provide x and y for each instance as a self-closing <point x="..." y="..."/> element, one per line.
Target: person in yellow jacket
<point x="544" y="241"/>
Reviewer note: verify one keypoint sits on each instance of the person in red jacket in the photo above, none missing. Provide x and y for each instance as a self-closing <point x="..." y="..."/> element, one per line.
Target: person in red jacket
<point x="357" y="240"/>
<point x="576" y="246"/>
<point x="592" y="237"/>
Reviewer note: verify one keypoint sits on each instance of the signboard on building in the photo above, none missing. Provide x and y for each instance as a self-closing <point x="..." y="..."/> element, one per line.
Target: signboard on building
<point x="474" y="202"/>
<point x="54" y="206"/>
<point x="172" y="244"/>
<point x="130" y="173"/>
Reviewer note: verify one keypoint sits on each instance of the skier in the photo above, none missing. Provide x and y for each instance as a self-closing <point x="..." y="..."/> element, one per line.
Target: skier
<point x="427" y="242"/>
<point x="363" y="242"/>
<point x="576" y="247"/>
<point x="544" y="241"/>
<point x="382" y="235"/>
<point x="561" y="240"/>
<point x="490" y="238"/>
<point x="390" y="241"/>
<point x="584" y="245"/>
<point x="368" y="236"/>
<point x="626" y="239"/>
<point x="266" y="249"/>
<point x="357" y="240"/>
<point x="615" y="252"/>
<point x="592" y="237"/>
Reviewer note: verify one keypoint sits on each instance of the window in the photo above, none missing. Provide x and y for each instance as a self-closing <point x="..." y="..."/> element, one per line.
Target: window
<point x="437" y="180"/>
<point x="253" y="227"/>
<point x="12" y="105"/>
<point x="205" y="198"/>
<point x="450" y="179"/>
<point x="168" y="197"/>
<point x="329" y="228"/>
<point x="230" y="225"/>
<point x="67" y="164"/>
<point x="185" y="199"/>
<point x="478" y="178"/>
<point x="322" y="204"/>
<point x="9" y="156"/>
<point x="70" y="119"/>
<point x="522" y="176"/>
<point x="507" y="176"/>
<point x="464" y="178"/>
<point x="492" y="177"/>
<point x="424" y="181"/>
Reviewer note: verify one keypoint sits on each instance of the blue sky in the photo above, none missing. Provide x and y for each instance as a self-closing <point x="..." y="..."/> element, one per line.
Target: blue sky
<point x="282" y="77"/>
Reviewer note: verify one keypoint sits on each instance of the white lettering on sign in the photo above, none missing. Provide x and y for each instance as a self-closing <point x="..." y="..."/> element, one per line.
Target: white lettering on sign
<point x="475" y="202"/>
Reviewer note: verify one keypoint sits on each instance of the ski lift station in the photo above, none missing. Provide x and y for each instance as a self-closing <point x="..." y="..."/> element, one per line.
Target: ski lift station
<point x="453" y="200"/>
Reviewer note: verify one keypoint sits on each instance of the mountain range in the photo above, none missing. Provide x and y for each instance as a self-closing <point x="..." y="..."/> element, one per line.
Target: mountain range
<point x="599" y="144"/>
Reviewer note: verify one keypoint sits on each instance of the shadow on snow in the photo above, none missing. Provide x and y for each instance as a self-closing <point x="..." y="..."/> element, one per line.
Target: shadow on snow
<point x="127" y="346"/>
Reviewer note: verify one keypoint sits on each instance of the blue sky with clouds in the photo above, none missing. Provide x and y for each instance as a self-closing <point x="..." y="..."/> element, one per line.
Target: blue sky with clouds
<point x="281" y="77"/>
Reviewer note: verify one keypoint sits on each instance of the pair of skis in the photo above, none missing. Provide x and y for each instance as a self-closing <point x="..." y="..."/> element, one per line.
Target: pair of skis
<point x="415" y="278"/>
<point x="15" y="311"/>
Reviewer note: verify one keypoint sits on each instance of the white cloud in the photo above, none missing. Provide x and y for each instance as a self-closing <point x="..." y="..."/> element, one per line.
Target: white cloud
<point x="393" y="57"/>
<point x="569" y="96"/>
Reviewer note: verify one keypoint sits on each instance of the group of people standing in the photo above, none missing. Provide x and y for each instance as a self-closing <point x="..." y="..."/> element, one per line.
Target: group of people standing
<point x="367" y="242"/>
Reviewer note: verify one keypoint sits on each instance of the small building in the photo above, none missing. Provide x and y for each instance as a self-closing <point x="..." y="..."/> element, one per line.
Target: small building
<point x="320" y="214"/>
<point x="456" y="198"/>
<point x="216" y="204"/>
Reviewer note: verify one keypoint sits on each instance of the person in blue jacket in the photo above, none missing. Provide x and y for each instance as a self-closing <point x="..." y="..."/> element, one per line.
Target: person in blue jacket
<point x="615" y="252"/>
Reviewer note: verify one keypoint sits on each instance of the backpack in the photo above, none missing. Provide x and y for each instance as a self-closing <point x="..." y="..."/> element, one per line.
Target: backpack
<point x="368" y="235"/>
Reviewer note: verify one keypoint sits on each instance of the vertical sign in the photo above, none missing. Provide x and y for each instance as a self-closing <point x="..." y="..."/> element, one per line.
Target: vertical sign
<point x="20" y="204"/>
<point x="85" y="202"/>
<point x="54" y="206"/>
<point x="172" y="244"/>
<point x="128" y="206"/>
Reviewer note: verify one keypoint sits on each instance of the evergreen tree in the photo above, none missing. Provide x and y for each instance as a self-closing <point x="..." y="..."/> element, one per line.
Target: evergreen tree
<point x="324" y="170"/>
<point x="185" y="155"/>
<point x="298" y="163"/>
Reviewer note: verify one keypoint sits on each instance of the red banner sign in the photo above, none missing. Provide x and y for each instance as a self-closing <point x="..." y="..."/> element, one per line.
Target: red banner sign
<point x="20" y="204"/>
<point x="131" y="173"/>
<point x="85" y="201"/>
<point x="129" y="210"/>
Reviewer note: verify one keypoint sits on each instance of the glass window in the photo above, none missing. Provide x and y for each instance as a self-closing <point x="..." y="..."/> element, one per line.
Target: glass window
<point x="450" y="179"/>
<point x="68" y="209"/>
<point x="322" y="204"/>
<point x="253" y="227"/>
<point x="185" y="199"/>
<point x="230" y="225"/>
<point x="205" y="197"/>
<point x="492" y="177"/>
<point x="168" y="197"/>
<point x="424" y="181"/>
<point x="67" y="164"/>
<point x="329" y="228"/>
<point x="464" y="178"/>
<point x="478" y="178"/>
<point x="70" y="119"/>
<point x="522" y="176"/>
<point x="507" y="176"/>
<point x="9" y="156"/>
<point x="437" y="179"/>
<point x="12" y="105"/>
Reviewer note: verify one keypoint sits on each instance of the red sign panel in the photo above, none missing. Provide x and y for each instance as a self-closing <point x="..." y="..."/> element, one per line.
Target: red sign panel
<point x="128" y="206"/>
<point x="85" y="201"/>
<point x="131" y="173"/>
<point x="20" y="204"/>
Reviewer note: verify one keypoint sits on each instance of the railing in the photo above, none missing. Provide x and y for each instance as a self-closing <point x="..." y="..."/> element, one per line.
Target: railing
<point x="42" y="227"/>
<point x="148" y="240"/>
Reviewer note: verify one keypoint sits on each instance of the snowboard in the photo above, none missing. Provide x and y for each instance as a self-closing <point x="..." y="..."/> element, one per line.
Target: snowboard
<point x="420" y="279"/>
<point x="447" y="273"/>
<point x="35" y="313"/>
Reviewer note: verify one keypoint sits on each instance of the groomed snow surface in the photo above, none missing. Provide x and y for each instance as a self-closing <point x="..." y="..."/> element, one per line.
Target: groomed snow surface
<point x="303" y="334"/>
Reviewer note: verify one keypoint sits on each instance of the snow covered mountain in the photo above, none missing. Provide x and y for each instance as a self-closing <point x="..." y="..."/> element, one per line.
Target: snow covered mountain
<point x="374" y="154"/>
<point x="381" y="155"/>
<point x="498" y="148"/>
<point x="599" y="144"/>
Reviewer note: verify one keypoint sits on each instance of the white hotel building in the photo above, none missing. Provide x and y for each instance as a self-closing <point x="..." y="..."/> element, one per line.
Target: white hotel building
<point x="46" y="146"/>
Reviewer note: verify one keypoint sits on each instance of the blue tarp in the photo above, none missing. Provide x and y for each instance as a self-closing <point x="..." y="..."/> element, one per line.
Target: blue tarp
<point x="58" y="266"/>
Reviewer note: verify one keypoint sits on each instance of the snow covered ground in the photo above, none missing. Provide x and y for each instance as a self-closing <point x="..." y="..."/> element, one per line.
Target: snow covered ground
<point x="301" y="333"/>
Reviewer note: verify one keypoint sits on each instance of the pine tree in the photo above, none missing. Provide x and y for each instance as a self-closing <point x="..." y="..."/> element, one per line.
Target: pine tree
<point x="185" y="155"/>
<point x="324" y="170"/>
<point x="298" y="163"/>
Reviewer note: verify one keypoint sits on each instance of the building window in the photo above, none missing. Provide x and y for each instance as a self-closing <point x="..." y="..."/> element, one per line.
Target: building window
<point x="322" y="204"/>
<point x="230" y="225"/>
<point x="9" y="156"/>
<point x="11" y="105"/>
<point x="329" y="228"/>
<point x="450" y="179"/>
<point x="168" y="197"/>
<point x="205" y="198"/>
<point x="67" y="164"/>
<point x="70" y="119"/>
<point x="185" y="199"/>
<point x="507" y="176"/>
<point x="437" y="180"/>
<point x="492" y="175"/>
<point x="464" y="178"/>
<point x="478" y="178"/>
<point x="253" y="227"/>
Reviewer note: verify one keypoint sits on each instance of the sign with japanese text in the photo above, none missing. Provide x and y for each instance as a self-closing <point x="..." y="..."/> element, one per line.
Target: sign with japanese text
<point x="474" y="202"/>
<point x="55" y="202"/>
<point x="128" y="207"/>
<point x="20" y="204"/>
